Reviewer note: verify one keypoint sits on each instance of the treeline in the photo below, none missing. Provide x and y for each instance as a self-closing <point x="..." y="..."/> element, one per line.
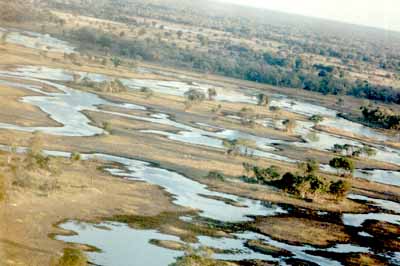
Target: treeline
<point x="296" y="34"/>
<point x="239" y="63"/>
<point x="381" y="116"/>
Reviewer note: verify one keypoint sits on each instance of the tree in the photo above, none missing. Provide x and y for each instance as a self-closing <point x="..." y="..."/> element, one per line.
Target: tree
<point x="105" y="41"/>
<point x="339" y="188"/>
<point x="194" y="96"/>
<point x="342" y="163"/>
<point x="75" y="156"/>
<point x="262" y="99"/>
<point x="340" y="102"/>
<point x="301" y="185"/>
<point x="290" y="125"/>
<point x="266" y="175"/>
<point x="116" y="61"/>
<point x="217" y="109"/>
<point x="238" y="146"/>
<point x="147" y="92"/>
<point x="368" y="151"/>
<point x="212" y="93"/>
<point x="317" y="119"/>
<point x="247" y="116"/>
<point x="309" y="167"/>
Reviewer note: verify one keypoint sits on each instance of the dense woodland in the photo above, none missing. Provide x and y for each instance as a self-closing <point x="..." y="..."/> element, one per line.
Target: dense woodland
<point x="381" y="117"/>
<point x="218" y="43"/>
<point x="239" y="62"/>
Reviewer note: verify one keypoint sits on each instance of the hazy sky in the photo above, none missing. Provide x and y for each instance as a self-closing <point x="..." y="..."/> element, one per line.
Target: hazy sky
<point x="377" y="13"/>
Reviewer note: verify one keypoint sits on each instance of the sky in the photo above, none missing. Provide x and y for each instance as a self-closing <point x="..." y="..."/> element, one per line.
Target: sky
<point x="376" y="13"/>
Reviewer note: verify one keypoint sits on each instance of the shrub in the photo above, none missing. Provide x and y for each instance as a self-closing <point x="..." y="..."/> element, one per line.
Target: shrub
<point x="381" y="116"/>
<point x="147" y="92"/>
<point x="342" y="163"/>
<point x="265" y="175"/>
<point x="316" y="119"/>
<point x="262" y="99"/>
<point x="274" y="108"/>
<point x="193" y="96"/>
<point x="75" y="156"/>
<point x="339" y="188"/>
<point x="216" y="175"/>
<point x="290" y="125"/>
<point x="301" y="185"/>
<point x="72" y="257"/>
<point x="238" y="146"/>
<point x="116" y="61"/>
<point x="198" y="257"/>
<point x="107" y="127"/>
<point x="308" y="167"/>
<point x="212" y="93"/>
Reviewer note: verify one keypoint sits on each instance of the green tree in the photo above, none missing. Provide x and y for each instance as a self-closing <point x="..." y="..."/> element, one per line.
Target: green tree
<point x="368" y="151"/>
<point x="193" y="96"/>
<point x="75" y="156"/>
<point x="317" y="119"/>
<point x="212" y="93"/>
<point x="339" y="188"/>
<point x="309" y="167"/>
<point x="262" y="99"/>
<point x="342" y="164"/>
<point x="116" y="61"/>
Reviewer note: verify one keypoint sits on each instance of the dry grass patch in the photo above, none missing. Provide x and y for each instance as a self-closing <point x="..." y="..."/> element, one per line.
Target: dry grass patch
<point x="302" y="231"/>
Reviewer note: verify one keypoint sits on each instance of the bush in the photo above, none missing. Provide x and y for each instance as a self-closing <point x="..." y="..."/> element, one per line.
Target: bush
<point x="147" y="92"/>
<point x="216" y="175"/>
<point x="265" y="175"/>
<point x="194" y="96"/>
<point x="309" y="167"/>
<point x="75" y="156"/>
<point x="262" y="99"/>
<point x="339" y="188"/>
<point x="290" y="125"/>
<point x="381" y="116"/>
<point x="316" y="119"/>
<point x="238" y="147"/>
<point x="212" y="93"/>
<point x="342" y="163"/>
<point x="198" y="257"/>
<point x="107" y="127"/>
<point x="72" y="257"/>
<point x="301" y="185"/>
